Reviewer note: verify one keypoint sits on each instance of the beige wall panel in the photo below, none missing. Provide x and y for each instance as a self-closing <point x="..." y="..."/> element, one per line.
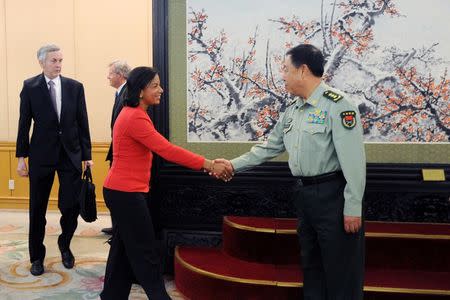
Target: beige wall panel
<point x="100" y="169"/>
<point x="4" y="124"/>
<point x="29" y="25"/>
<point x="4" y="174"/>
<point x="90" y="33"/>
<point x="21" y="184"/>
<point x="106" y="30"/>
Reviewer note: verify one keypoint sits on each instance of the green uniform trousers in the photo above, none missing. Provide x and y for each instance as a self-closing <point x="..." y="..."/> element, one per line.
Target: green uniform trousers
<point x="332" y="260"/>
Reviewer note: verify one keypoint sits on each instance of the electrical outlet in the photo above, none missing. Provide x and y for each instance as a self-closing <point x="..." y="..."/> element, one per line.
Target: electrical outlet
<point x="11" y="184"/>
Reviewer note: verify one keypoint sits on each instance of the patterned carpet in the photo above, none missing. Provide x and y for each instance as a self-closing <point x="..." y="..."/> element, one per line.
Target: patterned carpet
<point x="85" y="281"/>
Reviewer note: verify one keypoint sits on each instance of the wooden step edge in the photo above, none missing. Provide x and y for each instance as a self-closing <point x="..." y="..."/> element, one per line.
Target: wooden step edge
<point x="300" y="284"/>
<point x="411" y="223"/>
<point x="246" y="227"/>
<point x="367" y="234"/>
<point x="408" y="236"/>
<point x="368" y="221"/>
<point x="220" y="276"/>
<point x="406" y="291"/>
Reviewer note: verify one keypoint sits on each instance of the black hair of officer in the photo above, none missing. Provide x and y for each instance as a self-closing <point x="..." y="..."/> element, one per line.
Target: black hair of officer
<point x="307" y="54"/>
<point x="137" y="80"/>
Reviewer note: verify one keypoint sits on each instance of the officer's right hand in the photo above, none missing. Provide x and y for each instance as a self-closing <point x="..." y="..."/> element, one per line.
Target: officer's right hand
<point x="22" y="169"/>
<point x="227" y="164"/>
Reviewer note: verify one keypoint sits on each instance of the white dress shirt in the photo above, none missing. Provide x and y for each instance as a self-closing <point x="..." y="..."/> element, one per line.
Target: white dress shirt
<point x="57" y="82"/>
<point x="120" y="88"/>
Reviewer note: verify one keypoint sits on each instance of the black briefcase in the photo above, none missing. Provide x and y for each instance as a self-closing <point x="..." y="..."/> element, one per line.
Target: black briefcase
<point x="88" y="206"/>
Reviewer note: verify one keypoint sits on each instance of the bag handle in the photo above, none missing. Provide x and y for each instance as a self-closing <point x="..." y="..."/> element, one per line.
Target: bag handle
<point x="87" y="174"/>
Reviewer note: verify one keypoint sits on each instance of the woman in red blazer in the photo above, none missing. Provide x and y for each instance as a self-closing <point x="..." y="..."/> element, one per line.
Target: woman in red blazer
<point x="133" y="253"/>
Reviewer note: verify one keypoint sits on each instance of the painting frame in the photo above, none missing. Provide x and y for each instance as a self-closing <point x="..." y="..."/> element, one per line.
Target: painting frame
<point x="235" y="86"/>
<point x="167" y="116"/>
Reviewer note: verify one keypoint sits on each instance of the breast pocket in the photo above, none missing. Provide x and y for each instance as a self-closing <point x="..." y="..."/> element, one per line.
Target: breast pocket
<point x="314" y="137"/>
<point x="315" y="129"/>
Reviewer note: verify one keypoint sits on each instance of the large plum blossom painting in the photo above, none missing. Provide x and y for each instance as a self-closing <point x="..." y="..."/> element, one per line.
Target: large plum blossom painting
<point x="391" y="58"/>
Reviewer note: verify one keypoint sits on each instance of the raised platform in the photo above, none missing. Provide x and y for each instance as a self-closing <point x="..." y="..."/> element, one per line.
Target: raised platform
<point x="260" y="260"/>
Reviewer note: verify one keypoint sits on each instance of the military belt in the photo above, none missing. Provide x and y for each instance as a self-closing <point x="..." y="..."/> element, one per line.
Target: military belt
<point x="309" y="180"/>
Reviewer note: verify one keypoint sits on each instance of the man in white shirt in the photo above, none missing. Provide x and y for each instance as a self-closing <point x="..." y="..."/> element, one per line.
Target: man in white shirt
<point x="59" y="144"/>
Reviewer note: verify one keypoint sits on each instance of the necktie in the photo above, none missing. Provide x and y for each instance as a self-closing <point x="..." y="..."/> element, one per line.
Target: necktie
<point x="53" y="96"/>
<point x="115" y="109"/>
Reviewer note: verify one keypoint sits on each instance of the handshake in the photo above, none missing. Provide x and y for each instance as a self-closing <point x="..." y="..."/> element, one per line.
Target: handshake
<point x="219" y="168"/>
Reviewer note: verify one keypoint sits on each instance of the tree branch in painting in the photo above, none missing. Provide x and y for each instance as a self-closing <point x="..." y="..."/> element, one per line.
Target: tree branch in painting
<point x="401" y="96"/>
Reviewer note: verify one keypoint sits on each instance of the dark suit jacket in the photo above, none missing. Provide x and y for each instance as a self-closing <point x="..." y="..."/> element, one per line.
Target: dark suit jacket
<point x="49" y="134"/>
<point x="118" y="105"/>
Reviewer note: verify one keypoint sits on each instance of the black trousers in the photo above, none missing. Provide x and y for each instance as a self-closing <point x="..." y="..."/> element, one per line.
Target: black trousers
<point x="110" y="165"/>
<point x="133" y="253"/>
<point x="332" y="260"/>
<point x="41" y="182"/>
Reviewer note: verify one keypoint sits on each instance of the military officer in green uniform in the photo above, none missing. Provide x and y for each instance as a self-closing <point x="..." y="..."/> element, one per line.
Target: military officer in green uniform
<point x="323" y="135"/>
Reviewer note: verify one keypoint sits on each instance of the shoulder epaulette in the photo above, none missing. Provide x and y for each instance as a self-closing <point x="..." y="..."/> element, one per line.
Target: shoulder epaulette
<point x="332" y="96"/>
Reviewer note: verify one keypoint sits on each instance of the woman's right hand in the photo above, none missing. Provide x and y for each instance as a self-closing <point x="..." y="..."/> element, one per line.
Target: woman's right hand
<point x="219" y="169"/>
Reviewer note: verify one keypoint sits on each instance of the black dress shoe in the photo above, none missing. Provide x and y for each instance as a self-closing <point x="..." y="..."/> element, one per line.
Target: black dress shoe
<point x="107" y="231"/>
<point x="37" y="268"/>
<point x="67" y="259"/>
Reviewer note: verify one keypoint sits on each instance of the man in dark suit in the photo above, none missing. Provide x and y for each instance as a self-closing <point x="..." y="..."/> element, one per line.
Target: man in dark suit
<point x="60" y="143"/>
<point x="117" y="75"/>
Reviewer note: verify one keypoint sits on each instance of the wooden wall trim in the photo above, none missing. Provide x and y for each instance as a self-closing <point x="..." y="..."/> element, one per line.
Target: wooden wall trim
<point x="18" y="198"/>
<point x="96" y="146"/>
<point x="23" y="203"/>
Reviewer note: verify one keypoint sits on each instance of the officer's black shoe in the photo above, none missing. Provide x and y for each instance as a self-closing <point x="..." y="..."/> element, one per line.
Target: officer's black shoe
<point x="67" y="259"/>
<point x="37" y="268"/>
<point x="108" y="231"/>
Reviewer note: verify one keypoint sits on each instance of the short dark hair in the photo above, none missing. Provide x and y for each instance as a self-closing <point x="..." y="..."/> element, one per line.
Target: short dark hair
<point x="307" y="54"/>
<point x="137" y="80"/>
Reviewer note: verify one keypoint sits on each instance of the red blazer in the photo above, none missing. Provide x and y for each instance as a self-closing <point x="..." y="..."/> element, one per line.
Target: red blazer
<point x="134" y="140"/>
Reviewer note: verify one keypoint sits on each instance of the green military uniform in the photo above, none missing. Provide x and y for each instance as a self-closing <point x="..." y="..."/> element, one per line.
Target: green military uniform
<point x="323" y="136"/>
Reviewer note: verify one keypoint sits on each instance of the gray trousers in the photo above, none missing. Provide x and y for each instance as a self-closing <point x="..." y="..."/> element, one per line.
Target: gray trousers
<point x="332" y="260"/>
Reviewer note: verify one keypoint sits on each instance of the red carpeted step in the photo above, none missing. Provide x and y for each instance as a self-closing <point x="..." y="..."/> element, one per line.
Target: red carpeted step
<point x="264" y="240"/>
<point x="373" y="228"/>
<point x="407" y="281"/>
<point x="388" y="245"/>
<point x="205" y="273"/>
<point x="408" y="253"/>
